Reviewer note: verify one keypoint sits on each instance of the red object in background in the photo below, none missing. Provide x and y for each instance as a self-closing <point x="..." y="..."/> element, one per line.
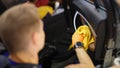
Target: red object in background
<point x="42" y="3"/>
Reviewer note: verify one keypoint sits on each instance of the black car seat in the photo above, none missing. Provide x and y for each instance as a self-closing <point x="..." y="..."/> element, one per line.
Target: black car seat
<point x="95" y="16"/>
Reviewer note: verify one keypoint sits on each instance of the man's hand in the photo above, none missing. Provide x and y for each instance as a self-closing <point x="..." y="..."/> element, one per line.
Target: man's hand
<point x="83" y="34"/>
<point x="77" y="38"/>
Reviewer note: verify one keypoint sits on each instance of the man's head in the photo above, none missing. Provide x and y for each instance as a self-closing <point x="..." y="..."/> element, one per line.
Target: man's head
<point x="21" y="29"/>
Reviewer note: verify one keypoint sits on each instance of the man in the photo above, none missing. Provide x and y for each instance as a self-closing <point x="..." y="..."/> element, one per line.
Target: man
<point x="22" y="33"/>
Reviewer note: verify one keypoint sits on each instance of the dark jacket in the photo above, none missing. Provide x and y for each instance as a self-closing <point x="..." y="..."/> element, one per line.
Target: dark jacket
<point x="4" y="63"/>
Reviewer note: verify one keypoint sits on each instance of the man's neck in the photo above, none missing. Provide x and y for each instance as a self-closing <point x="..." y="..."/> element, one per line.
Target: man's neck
<point x="24" y="58"/>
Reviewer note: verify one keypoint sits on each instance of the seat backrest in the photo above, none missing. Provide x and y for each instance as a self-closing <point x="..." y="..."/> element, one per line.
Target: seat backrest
<point x="58" y="35"/>
<point x="55" y="27"/>
<point x="97" y="19"/>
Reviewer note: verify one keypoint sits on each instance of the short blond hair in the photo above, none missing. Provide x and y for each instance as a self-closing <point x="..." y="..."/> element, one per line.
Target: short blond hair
<point x="16" y="25"/>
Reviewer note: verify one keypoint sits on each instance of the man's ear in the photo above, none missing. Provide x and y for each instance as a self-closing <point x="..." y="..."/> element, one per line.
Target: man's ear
<point x="34" y="38"/>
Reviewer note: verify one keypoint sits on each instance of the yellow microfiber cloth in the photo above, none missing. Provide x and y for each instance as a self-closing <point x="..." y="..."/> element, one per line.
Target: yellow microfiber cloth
<point x="43" y="10"/>
<point x="87" y="36"/>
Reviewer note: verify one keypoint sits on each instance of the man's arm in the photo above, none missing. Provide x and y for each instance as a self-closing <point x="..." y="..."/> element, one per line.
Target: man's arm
<point x="83" y="57"/>
<point x="82" y="34"/>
